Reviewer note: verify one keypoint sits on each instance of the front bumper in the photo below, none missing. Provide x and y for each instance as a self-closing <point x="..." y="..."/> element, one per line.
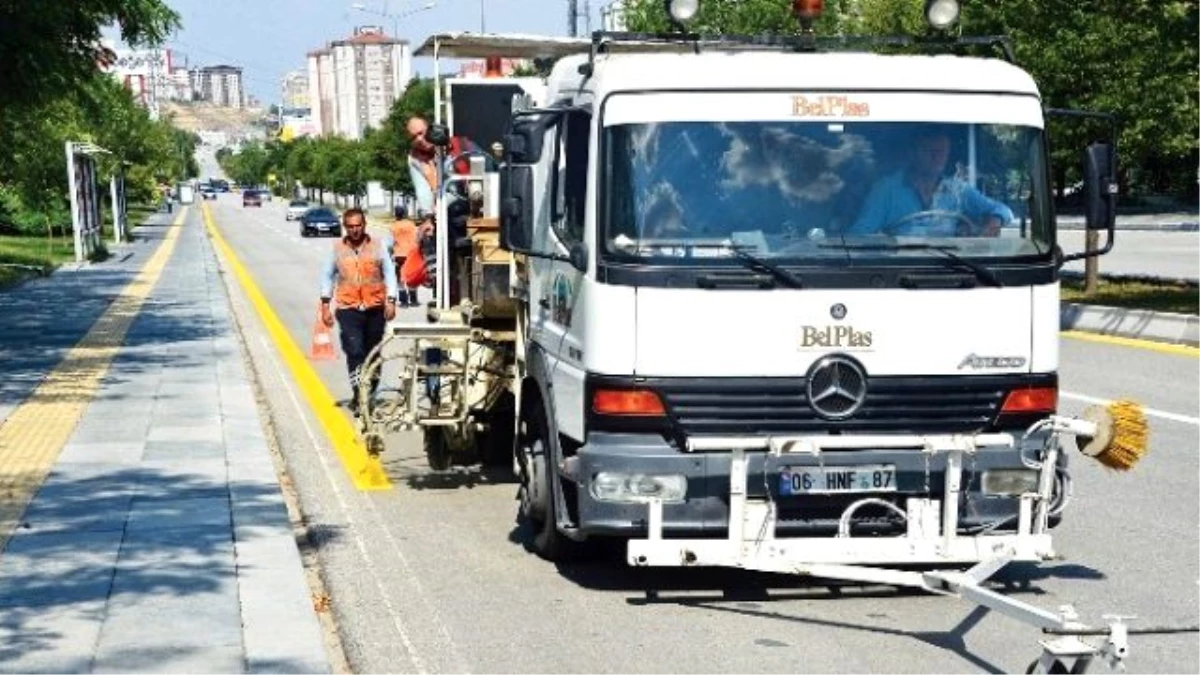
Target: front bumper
<point x="706" y="511"/>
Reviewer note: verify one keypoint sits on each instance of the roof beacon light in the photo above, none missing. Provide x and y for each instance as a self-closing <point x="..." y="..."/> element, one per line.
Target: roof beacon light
<point x="941" y="14"/>
<point x="682" y="11"/>
<point x="807" y="10"/>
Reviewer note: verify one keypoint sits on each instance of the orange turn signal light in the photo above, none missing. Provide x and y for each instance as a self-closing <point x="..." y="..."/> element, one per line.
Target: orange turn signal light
<point x="1032" y="399"/>
<point x="628" y="402"/>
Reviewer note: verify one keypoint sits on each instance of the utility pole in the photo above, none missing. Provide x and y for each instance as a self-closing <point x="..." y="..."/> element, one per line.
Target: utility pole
<point x="573" y="17"/>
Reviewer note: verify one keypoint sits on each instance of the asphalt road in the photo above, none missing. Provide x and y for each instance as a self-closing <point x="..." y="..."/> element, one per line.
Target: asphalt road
<point x="431" y="576"/>
<point x="1174" y="255"/>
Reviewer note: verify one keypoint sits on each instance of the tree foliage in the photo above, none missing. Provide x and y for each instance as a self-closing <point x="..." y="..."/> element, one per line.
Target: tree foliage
<point x="52" y="91"/>
<point x="33" y="168"/>
<point x="1134" y="58"/>
<point x="51" y="46"/>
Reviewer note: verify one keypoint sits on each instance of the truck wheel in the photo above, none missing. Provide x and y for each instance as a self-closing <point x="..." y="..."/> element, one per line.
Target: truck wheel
<point x="437" y="448"/>
<point x="496" y="447"/>
<point x="537" y="496"/>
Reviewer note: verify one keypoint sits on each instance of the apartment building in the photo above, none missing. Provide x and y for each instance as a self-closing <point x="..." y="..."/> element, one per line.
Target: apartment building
<point x="295" y="90"/>
<point x="353" y="82"/>
<point x="220" y="85"/>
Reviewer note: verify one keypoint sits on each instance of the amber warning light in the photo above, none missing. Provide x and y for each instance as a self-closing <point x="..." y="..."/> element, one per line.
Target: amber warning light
<point x="807" y="9"/>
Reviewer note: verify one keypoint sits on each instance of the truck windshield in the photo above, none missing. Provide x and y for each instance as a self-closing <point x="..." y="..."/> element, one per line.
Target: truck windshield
<point x="797" y="190"/>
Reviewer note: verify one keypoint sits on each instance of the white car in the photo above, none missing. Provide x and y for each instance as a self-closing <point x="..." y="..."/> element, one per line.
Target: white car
<point x="296" y="208"/>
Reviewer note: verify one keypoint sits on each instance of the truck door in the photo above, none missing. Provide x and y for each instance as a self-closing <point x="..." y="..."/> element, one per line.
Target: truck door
<point x="557" y="284"/>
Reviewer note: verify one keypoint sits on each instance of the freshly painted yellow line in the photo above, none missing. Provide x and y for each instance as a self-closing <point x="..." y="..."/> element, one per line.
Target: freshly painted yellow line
<point x="1180" y="350"/>
<point x="36" y="432"/>
<point x="364" y="470"/>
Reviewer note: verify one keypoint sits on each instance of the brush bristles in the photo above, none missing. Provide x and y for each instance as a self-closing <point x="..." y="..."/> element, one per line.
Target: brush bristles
<point x="1130" y="436"/>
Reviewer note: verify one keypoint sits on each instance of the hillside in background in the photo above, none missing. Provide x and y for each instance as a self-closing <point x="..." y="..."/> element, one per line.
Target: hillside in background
<point x="201" y="116"/>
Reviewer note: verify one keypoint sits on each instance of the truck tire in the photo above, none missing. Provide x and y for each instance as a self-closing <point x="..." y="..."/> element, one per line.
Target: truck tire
<point x="547" y="542"/>
<point x="437" y="448"/>
<point x="496" y="447"/>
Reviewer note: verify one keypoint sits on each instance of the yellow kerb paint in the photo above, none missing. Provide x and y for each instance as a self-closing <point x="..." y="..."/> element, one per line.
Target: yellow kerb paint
<point x="365" y="471"/>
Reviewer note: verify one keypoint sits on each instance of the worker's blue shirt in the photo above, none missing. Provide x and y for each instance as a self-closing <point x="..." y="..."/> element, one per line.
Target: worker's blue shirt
<point x="894" y="197"/>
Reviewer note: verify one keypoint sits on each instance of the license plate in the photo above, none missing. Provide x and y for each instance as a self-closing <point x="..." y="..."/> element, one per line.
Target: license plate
<point x="825" y="480"/>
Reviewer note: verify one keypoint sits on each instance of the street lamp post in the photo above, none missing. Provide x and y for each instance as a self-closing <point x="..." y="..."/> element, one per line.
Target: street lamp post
<point x="395" y="18"/>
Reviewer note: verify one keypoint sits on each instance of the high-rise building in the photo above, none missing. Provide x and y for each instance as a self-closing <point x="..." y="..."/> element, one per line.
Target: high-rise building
<point x="220" y="85"/>
<point x="353" y="82"/>
<point x="321" y="91"/>
<point x="295" y="90"/>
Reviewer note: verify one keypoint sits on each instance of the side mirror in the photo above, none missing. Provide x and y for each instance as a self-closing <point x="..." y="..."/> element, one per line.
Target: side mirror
<point x="516" y="208"/>
<point x="1099" y="186"/>
<point x="438" y="135"/>
<point x="578" y="256"/>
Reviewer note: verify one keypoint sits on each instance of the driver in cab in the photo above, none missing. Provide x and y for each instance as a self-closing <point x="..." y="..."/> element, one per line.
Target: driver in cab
<point x="920" y="200"/>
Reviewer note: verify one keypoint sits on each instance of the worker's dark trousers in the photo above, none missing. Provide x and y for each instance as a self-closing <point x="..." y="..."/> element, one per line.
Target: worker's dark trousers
<point x="360" y="331"/>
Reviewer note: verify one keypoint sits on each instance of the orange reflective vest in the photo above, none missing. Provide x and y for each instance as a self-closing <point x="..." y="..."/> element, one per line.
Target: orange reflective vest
<point x="404" y="238"/>
<point x="360" y="275"/>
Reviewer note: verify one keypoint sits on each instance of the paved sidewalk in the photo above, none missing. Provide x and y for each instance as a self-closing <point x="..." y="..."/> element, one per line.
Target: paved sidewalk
<point x="160" y="538"/>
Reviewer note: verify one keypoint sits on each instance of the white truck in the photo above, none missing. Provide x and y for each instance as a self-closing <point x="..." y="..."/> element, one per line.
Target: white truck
<point x="780" y="303"/>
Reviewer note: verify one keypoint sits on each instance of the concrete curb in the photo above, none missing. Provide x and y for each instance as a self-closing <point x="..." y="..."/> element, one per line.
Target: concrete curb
<point x="1185" y="226"/>
<point x="1131" y="323"/>
<point x="1142" y="278"/>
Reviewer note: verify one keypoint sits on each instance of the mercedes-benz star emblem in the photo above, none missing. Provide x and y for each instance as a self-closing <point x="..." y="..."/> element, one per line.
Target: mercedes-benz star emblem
<point x="837" y="387"/>
<point x="838" y="311"/>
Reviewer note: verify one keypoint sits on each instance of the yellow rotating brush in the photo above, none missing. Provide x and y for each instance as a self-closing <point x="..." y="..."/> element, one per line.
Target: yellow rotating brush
<point x="1121" y="436"/>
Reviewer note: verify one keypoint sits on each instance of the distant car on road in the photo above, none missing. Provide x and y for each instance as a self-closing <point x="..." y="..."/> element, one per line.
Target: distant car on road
<point x="296" y="208"/>
<point x="251" y="198"/>
<point x="320" y="220"/>
<point x="208" y="193"/>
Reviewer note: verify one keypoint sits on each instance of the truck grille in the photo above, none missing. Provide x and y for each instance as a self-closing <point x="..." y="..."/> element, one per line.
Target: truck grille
<point x="710" y="406"/>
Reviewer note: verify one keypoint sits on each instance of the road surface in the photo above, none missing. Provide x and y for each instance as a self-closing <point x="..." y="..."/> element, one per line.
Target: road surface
<point x="431" y="576"/>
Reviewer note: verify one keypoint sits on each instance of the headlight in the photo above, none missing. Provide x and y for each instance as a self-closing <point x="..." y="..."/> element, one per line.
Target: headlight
<point x="637" y="488"/>
<point x="1010" y="482"/>
<point x="941" y="14"/>
<point x="682" y="11"/>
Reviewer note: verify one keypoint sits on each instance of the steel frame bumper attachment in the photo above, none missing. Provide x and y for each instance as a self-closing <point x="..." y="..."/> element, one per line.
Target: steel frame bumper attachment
<point x="931" y="538"/>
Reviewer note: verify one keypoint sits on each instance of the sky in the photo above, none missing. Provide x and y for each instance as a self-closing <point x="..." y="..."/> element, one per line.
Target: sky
<point x="268" y="38"/>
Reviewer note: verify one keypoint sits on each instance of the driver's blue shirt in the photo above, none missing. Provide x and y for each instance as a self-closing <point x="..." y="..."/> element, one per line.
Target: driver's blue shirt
<point x="894" y="197"/>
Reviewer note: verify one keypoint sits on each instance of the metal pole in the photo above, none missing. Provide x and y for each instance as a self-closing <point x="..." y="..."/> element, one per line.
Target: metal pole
<point x="482" y="29"/>
<point x="94" y="193"/>
<point x="74" y="202"/>
<point x="116" y="210"/>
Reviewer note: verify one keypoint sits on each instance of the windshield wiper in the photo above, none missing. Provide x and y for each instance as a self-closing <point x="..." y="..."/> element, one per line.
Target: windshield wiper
<point x="756" y="263"/>
<point x="751" y="261"/>
<point x="981" y="273"/>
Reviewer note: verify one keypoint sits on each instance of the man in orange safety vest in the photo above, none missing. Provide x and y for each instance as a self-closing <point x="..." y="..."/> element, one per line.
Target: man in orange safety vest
<point x="359" y="278"/>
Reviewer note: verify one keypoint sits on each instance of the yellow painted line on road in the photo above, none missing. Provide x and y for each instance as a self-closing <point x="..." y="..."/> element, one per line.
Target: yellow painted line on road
<point x="364" y="470"/>
<point x="37" y="430"/>
<point x="1163" y="347"/>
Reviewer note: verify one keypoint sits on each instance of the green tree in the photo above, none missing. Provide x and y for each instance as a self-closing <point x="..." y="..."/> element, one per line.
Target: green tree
<point x="742" y="17"/>
<point x="1135" y="58"/>
<point x="51" y="47"/>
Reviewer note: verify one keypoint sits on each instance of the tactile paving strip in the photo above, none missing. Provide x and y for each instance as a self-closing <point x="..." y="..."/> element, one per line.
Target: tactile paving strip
<point x="37" y="430"/>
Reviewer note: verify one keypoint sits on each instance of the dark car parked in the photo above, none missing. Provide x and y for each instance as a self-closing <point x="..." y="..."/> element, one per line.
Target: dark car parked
<point x="320" y="220"/>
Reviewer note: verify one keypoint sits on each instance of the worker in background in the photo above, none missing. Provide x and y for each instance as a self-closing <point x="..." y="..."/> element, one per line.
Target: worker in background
<point x="404" y="240"/>
<point x="360" y="277"/>
<point x="422" y="163"/>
